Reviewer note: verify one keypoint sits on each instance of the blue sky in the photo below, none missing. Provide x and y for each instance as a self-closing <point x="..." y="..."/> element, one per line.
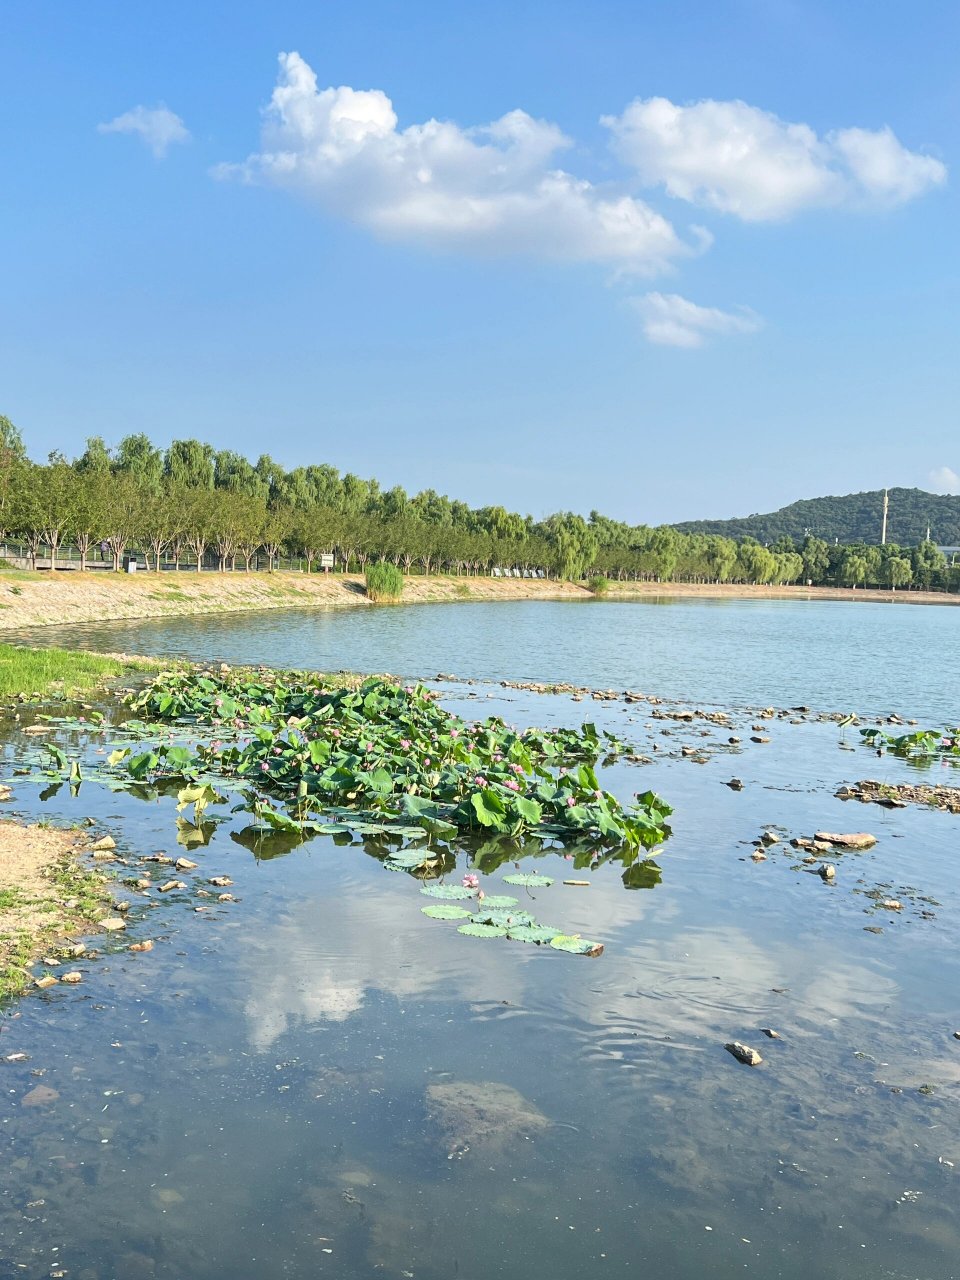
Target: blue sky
<point x="666" y="261"/>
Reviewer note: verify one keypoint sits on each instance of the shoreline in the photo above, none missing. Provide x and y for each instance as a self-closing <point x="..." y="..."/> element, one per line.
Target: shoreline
<point x="62" y="599"/>
<point x="749" y="591"/>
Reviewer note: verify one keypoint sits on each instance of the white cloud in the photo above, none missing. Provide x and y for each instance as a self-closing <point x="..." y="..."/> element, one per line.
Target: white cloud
<point x="944" y="480"/>
<point x="672" y="321"/>
<point x="491" y="189"/>
<point x="158" y="127"/>
<point x="741" y="160"/>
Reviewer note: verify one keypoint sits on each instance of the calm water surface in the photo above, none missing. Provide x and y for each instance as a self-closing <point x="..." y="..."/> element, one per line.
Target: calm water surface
<point x="826" y="653"/>
<point x="250" y="1098"/>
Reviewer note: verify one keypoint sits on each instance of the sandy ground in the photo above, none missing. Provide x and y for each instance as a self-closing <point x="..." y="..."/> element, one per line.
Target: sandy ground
<point x="46" y="897"/>
<point x="31" y="600"/>
<point x="26" y="854"/>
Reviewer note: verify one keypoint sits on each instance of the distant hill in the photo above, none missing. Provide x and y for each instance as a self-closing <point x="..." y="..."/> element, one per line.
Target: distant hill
<point x="854" y="517"/>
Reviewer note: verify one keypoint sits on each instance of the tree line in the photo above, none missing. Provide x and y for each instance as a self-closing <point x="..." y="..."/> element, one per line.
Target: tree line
<point x="214" y="508"/>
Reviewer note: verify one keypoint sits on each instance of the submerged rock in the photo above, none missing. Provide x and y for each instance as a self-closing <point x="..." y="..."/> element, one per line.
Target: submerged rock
<point x="40" y="1096"/>
<point x="485" y="1115"/>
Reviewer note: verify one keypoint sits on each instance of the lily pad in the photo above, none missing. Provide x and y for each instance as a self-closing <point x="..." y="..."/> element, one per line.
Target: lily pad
<point x="406" y="860"/>
<point x="474" y="930"/>
<point x="532" y="932"/>
<point x="573" y="943"/>
<point x="529" y="882"/>
<point x="506" y="919"/>
<point x="445" y="911"/>
<point x="496" y="902"/>
<point x="450" y="892"/>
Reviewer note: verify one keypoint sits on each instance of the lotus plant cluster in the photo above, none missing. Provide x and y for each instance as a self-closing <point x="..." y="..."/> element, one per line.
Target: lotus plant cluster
<point x="387" y="752"/>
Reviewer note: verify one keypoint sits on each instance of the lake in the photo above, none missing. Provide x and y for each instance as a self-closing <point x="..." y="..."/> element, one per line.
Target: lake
<point x="256" y="1096"/>
<point x="833" y="655"/>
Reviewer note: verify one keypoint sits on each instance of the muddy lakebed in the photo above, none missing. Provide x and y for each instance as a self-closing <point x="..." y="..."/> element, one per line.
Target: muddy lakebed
<point x="312" y="1077"/>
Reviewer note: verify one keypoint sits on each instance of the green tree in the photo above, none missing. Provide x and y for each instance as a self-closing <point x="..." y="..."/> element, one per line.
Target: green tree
<point x="898" y="572"/>
<point x="95" y="459"/>
<point x="927" y="562"/>
<point x="88" y="512"/>
<point x="189" y="464"/>
<point x="815" y="554"/>
<point x="136" y="457"/>
<point x="853" y="568"/>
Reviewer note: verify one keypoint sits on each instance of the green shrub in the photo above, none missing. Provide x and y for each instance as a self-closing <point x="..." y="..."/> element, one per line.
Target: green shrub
<point x="384" y="582"/>
<point x="599" y="585"/>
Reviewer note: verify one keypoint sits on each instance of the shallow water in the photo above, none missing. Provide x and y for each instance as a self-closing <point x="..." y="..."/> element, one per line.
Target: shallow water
<point x="831" y="654"/>
<point x="249" y="1099"/>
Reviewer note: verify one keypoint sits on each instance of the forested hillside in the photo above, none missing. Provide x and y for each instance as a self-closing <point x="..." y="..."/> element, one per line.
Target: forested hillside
<point x="854" y="517"/>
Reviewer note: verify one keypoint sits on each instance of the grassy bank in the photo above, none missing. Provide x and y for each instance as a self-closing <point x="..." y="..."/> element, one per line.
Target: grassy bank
<point x="46" y="672"/>
<point x="43" y="599"/>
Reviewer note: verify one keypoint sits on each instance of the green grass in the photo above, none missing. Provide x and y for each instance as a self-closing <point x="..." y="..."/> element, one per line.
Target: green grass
<point x="384" y="582"/>
<point x="48" y="671"/>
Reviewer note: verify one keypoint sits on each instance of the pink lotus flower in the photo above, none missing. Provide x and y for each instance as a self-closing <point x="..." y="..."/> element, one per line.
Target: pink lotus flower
<point x="426" y="760"/>
<point x="405" y="743"/>
<point x="570" y="802"/>
<point x="479" y="781"/>
<point x="470" y="881"/>
<point x="511" y="785"/>
<point x="454" y="733"/>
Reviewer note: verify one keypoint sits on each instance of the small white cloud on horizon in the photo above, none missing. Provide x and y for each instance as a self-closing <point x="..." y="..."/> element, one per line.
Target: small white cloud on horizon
<point x="672" y="321"/>
<point x="158" y="127"/>
<point x="742" y="160"/>
<point x="944" y="480"/>
<point x="491" y="189"/>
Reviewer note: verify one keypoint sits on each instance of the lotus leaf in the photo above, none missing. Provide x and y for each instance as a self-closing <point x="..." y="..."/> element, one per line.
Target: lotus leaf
<point x="474" y="930"/>
<point x="505" y="918"/>
<point x="452" y="892"/>
<point x="445" y="911"/>
<point x="408" y="860"/>
<point x="531" y="881"/>
<point x="573" y="943"/>
<point x="532" y="932"/>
